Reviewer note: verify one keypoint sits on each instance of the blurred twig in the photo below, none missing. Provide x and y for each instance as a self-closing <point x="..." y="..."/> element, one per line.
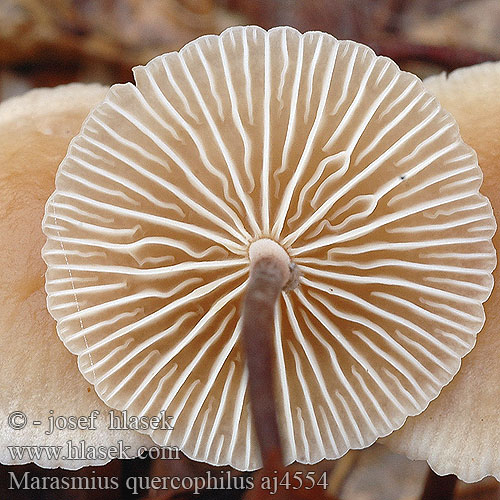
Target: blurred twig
<point x="448" y="57"/>
<point x="377" y="23"/>
<point x="439" y="487"/>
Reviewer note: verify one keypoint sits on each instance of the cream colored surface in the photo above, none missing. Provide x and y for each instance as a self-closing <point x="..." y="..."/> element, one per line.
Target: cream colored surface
<point x="330" y="151"/>
<point x="37" y="374"/>
<point x="460" y="431"/>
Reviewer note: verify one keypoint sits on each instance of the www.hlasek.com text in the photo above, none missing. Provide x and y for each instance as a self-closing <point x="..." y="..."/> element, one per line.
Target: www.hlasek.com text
<point x="81" y="450"/>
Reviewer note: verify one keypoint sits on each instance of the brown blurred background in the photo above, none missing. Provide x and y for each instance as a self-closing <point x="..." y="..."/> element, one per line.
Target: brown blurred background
<point x="51" y="42"/>
<point x="48" y="42"/>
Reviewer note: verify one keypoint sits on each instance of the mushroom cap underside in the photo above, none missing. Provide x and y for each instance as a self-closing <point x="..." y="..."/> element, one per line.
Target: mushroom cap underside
<point x="325" y="148"/>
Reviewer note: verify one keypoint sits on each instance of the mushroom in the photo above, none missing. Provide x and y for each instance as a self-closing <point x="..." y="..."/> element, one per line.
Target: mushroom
<point x="273" y="155"/>
<point x="39" y="378"/>
<point x="460" y="432"/>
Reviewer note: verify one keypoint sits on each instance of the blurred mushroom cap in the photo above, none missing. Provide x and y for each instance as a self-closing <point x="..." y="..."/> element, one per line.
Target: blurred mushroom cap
<point x="39" y="378"/>
<point x="318" y="144"/>
<point x="460" y="432"/>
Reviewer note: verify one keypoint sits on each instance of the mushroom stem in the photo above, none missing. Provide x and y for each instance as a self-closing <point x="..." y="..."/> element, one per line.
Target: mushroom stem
<point x="269" y="273"/>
